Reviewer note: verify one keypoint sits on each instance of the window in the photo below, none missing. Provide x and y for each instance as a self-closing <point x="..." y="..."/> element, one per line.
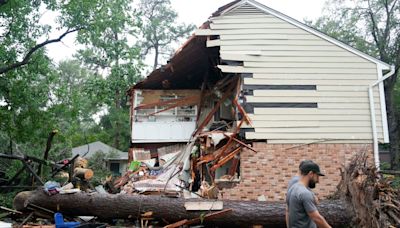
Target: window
<point x="114" y="168"/>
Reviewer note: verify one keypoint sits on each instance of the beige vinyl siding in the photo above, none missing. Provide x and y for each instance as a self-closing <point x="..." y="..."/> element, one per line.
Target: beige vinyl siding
<point x="309" y="65"/>
<point x="276" y="30"/>
<point x="284" y="117"/>
<point x="274" y="48"/>
<point x="303" y="142"/>
<point x="327" y="59"/>
<point x="311" y="93"/>
<point x="315" y="130"/>
<point x="307" y="136"/>
<point x="322" y="76"/>
<point x="298" y="70"/>
<point x="306" y="124"/>
<point x="246" y="20"/>
<point x="306" y="111"/>
<point x="261" y="99"/>
<point x="265" y="26"/>
<point x="268" y="36"/>
<point x="318" y="82"/>
<point x="276" y="52"/>
<point x="227" y="43"/>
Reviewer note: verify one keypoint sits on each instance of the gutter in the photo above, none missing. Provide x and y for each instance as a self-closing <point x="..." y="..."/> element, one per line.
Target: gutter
<point x="373" y="117"/>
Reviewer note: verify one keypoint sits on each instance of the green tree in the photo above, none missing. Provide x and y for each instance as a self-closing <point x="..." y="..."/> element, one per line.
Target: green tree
<point x="373" y="27"/>
<point x="160" y="28"/>
<point x="76" y="95"/>
<point x="26" y="73"/>
<point x="110" y="50"/>
<point x="21" y="28"/>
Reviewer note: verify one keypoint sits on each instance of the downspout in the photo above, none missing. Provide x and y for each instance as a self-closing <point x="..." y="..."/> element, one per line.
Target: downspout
<point x="373" y="117"/>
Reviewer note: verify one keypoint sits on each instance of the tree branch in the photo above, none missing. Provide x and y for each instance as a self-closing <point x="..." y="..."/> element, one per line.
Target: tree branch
<point x="386" y="34"/>
<point x="27" y="57"/>
<point x="375" y="31"/>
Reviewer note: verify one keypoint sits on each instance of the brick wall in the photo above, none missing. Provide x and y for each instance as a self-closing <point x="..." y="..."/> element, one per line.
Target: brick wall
<point x="269" y="171"/>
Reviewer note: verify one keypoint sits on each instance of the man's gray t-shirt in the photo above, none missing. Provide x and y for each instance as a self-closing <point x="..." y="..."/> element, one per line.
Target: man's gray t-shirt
<point x="293" y="181"/>
<point x="300" y="202"/>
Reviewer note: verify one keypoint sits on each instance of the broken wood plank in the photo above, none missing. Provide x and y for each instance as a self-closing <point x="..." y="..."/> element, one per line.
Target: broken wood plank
<point x="227" y="93"/>
<point x="225" y="159"/>
<point x="233" y="168"/>
<point x="184" y="102"/>
<point x="204" y="206"/>
<point x="242" y="143"/>
<point x="242" y="111"/>
<point x="205" y="159"/>
<point x="26" y="219"/>
<point x="228" y="144"/>
<point x="177" y="224"/>
<point x="202" y="96"/>
<point x="161" y="103"/>
<point x="10" y="210"/>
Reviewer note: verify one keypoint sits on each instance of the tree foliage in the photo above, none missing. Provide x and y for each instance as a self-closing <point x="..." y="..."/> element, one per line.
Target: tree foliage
<point x="83" y="98"/>
<point x="372" y="26"/>
<point x="160" y="28"/>
<point x="111" y="52"/>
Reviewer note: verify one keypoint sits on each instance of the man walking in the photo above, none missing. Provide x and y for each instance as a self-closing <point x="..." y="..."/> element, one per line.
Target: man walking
<point x="301" y="205"/>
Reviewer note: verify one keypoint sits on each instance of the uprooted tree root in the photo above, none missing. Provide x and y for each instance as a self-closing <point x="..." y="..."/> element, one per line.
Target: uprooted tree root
<point x="374" y="202"/>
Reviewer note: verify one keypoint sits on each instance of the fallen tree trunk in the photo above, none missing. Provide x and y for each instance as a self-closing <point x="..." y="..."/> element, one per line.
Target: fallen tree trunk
<point x="109" y="206"/>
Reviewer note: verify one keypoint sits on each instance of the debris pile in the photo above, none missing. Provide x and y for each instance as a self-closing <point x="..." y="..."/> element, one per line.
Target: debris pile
<point x="212" y="153"/>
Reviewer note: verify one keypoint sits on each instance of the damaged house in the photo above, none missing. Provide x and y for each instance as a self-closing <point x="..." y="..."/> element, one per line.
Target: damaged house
<point x="253" y="93"/>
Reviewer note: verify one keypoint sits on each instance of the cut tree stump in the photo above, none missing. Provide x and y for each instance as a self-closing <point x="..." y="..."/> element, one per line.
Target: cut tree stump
<point x="108" y="206"/>
<point x="83" y="173"/>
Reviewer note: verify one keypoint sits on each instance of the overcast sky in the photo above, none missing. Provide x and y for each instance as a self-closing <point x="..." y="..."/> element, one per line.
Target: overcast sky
<point x="197" y="12"/>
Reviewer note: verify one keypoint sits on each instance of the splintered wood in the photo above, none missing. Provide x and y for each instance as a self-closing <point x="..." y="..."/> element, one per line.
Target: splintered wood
<point x="375" y="203"/>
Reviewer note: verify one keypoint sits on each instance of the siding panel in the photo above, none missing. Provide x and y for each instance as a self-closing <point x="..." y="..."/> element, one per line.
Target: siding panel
<point x="302" y="59"/>
<point x="260" y="112"/>
<point x="316" y="76"/>
<point x="275" y="52"/>
<point x="347" y="71"/>
<point x="309" y="65"/>
<point x="316" y="136"/>
<point x="331" y="82"/>
<point x="309" y="99"/>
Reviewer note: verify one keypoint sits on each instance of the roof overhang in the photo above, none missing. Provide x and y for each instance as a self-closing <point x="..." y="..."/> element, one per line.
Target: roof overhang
<point x="185" y="70"/>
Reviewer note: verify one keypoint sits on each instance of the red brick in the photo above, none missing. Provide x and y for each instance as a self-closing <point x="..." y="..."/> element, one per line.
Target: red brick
<point x="269" y="171"/>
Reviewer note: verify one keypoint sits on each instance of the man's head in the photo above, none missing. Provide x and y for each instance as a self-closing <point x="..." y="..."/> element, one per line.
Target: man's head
<point x="311" y="172"/>
<point x="303" y="163"/>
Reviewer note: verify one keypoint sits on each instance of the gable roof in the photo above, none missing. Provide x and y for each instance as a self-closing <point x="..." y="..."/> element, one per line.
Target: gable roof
<point x="91" y="148"/>
<point x="247" y="6"/>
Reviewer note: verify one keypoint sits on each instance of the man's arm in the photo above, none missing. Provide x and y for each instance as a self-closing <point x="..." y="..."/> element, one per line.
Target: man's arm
<point x="318" y="219"/>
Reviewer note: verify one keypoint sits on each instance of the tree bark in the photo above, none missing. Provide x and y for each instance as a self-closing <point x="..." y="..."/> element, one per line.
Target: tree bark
<point x="155" y="56"/>
<point x="109" y="206"/>
<point x="393" y="125"/>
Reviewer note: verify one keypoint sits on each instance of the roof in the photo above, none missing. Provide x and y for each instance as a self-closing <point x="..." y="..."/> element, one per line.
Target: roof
<point x="88" y="150"/>
<point x="186" y="69"/>
<point x="235" y="4"/>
